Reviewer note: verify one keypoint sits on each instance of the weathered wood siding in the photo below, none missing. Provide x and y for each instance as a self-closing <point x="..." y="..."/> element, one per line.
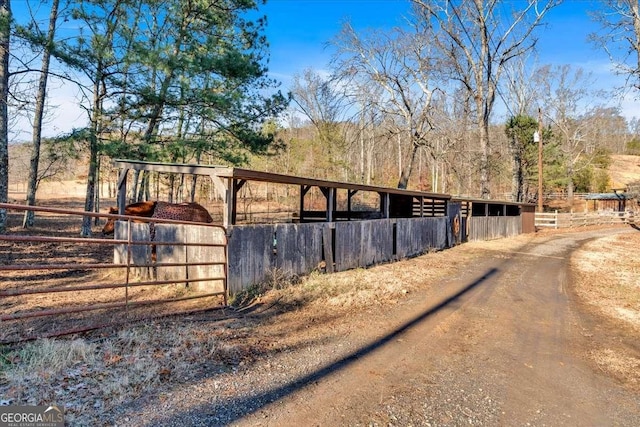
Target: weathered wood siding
<point x="494" y="227"/>
<point x="140" y="253"/>
<point x="256" y="250"/>
<point x="298" y="247"/>
<point x="363" y="243"/>
<point x="187" y="254"/>
<point x="415" y="236"/>
<point x="251" y="256"/>
<point x="175" y="253"/>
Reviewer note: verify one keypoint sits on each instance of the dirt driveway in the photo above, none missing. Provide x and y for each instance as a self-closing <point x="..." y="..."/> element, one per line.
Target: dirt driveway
<point x="502" y="341"/>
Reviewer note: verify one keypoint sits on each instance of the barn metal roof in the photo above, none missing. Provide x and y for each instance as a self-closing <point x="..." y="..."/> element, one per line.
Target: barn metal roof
<point x="606" y="196"/>
<point x="253" y="175"/>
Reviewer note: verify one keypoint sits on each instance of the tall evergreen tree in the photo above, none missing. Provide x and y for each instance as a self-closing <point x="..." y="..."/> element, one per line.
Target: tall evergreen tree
<point x="5" y="33"/>
<point x="156" y="67"/>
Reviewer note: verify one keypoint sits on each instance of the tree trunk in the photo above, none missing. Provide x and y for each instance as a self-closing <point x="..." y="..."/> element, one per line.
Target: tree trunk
<point x="194" y="182"/>
<point x="91" y="185"/>
<point x="570" y="187"/>
<point x="85" y="230"/>
<point x="5" y="33"/>
<point x="361" y="141"/>
<point x="96" y="203"/>
<point x="517" y="173"/>
<point x="372" y="145"/>
<point x="485" y="191"/>
<point x="32" y="183"/>
<point x="406" y="172"/>
<point x="172" y="187"/>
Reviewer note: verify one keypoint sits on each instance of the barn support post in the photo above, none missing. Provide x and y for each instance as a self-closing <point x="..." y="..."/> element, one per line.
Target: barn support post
<point x="328" y="242"/>
<point x="350" y="194"/>
<point x="303" y="192"/>
<point x="329" y="194"/>
<point x="334" y="200"/>
<point x="122" y="190"/>
<point x="237" y="184"/>
<point x="384" y="205"/>
<point x="304" y="189"/>
<point x="222" y="187"/>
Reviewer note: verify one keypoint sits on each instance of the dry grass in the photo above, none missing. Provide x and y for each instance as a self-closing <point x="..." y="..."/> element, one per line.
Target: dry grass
<point x="92" y="374"/>
<point x="383" y="285"/>
<point x="85" y="374"/>
<point x="607" y="277"/>
<point x="618" y="364"/>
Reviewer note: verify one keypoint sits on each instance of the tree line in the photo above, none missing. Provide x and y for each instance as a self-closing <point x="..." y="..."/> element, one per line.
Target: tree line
<point x="159" y="80"/>
<point x="424" y="96"/>
<point x="187" y="81"/>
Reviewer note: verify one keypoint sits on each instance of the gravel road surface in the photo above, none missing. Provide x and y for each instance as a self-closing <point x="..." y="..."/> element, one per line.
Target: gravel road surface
<point x="502" y="342"/>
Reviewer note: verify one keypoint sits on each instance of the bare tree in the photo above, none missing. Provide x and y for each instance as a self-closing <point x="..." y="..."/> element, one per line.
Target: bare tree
<point x="32" y="183"/>
<point x="325" y="106"/>
<point x="620" y="36"/>
<point x="568" y="99"/>
<point x="521" y="96"/>
<point x="401" y="67"/>
<point x="610" y="130"/>
<point x="478" y="38"/>
<point x="5" y="33"/>
<point x="519" y="91"/>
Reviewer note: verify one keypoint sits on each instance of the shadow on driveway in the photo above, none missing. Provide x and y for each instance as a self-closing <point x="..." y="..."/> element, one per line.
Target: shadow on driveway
<point x="231" y="410"/>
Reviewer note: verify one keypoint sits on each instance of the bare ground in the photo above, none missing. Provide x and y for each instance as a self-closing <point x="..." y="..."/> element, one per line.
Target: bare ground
<point x="502" y="340"/>
<point x="536" y="330"/>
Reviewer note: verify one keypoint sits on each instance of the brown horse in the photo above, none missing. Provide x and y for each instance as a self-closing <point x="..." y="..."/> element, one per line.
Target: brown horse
<point x="191" y="212"/>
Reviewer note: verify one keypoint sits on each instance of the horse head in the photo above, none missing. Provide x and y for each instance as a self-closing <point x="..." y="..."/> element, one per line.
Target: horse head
<point x="110" y="225"/>
<point x="144" y="209"/>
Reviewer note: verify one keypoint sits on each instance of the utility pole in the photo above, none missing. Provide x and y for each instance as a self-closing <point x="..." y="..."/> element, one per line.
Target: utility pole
<point x="539" y="138"/>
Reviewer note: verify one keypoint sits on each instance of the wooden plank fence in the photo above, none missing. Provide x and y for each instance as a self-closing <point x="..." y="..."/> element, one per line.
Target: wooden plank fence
<point x="494" y="227"/>
<point x="254" y="251"/>
<point x="363" y="243"/>
<point x="180" y="244"/>
<point x="581" y="219"/>
<point x="419" y="235"/>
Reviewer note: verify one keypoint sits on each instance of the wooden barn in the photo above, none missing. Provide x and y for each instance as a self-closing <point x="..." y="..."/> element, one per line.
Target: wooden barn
<point x="607" y="202"/>
<point x="335" y="226"/>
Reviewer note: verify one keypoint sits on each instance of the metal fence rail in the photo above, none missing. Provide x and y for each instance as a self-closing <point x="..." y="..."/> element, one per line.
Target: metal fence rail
<point x="53" y="283"/>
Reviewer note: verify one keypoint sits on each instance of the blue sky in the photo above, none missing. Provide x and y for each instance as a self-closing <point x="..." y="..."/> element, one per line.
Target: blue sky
<point x="298" y="32"/>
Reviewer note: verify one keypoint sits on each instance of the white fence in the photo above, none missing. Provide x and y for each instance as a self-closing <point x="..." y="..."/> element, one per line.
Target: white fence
<point x="549" y="196"/>
<point x="566" y="220"/>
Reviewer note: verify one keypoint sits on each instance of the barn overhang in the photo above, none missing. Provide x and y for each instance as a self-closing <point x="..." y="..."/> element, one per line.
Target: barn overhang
<point x="394" y="202"/>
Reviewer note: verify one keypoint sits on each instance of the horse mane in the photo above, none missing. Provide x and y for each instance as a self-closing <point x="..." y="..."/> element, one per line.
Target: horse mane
<point x="145" y="209"/>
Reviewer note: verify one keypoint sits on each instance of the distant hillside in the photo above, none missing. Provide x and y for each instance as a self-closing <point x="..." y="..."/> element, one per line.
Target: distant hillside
<point x="624" y="170"/>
